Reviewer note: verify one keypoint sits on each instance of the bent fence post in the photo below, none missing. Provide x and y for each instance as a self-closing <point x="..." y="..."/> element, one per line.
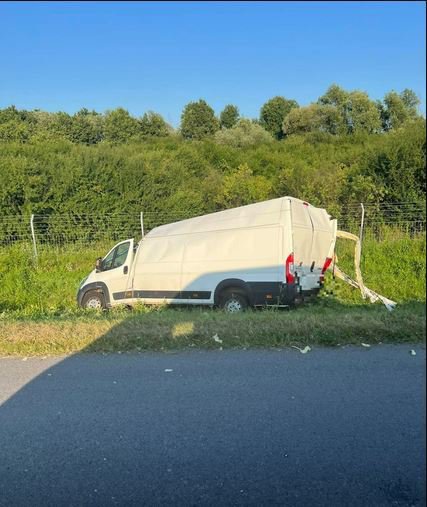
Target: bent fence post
<point x="33" y="236"/>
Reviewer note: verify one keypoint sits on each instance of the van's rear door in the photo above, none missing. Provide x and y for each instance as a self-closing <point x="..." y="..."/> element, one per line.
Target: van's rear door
<point x="313" y="239"/>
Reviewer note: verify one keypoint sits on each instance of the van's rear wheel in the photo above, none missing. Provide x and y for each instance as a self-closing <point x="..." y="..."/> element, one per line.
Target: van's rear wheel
<point x="93" y="300"/>
<point x="233" y="301"/>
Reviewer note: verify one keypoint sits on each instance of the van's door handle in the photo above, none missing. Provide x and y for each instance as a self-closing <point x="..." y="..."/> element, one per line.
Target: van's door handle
<point x="125" y="270"/>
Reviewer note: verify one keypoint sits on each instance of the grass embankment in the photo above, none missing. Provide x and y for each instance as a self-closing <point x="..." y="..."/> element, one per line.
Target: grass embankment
<point x="38" y="312"/>
<point x="171" y="329"/>
<point x="395" y="266"/>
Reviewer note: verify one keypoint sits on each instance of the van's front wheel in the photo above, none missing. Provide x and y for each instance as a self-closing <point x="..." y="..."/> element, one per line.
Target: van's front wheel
<point x="233" y="301"/>
<point x="93" y="300"/>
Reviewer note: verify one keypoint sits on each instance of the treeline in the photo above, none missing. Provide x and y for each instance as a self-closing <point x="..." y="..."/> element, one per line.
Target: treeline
<point x="173" y="176"/>
<point x="338" y="112"/>
<point x="343" y="149"/>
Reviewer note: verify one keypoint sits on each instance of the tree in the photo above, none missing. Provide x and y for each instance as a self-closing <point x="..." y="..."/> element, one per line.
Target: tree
<point x="229" y="116"/>
<point x="357" y="112"/>
<point x="274" y="112"/>
<point x="61" y="125"/>
<point x="361" y="113"/>
<point x="334" y="96"/>
<point x="86" y="127"/>
<point x="313" y="118"/>
<point x="244" y="133"/>
<point x="120" y="126"/>
<point x="153" y="125"/>
<point x="411" y="100"/>
<point x="198" y="120"/>
<point x="399" y="108"/>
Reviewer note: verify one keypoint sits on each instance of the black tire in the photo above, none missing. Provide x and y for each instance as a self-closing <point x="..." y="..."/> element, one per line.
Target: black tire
<point x="233" y="301"/>
<point x="94" y="300"/>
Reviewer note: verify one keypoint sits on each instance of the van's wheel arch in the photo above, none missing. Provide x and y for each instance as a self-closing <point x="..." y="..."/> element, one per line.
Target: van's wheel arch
<point x="233" y="300"/>
<point x="94" y="300"/>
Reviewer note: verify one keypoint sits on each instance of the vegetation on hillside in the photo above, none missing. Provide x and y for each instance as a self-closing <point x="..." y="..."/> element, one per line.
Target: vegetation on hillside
<point x="343" y="148"/>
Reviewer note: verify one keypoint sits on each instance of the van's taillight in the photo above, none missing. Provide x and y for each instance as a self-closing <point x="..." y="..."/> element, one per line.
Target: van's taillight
<point x="326" y="265"/>
<point x="289" y="266"/>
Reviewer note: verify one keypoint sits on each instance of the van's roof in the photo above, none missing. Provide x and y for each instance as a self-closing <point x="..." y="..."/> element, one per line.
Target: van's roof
<point x="258" y="214"/>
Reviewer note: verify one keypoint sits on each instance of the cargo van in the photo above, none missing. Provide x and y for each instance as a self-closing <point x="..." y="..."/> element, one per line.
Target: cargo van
<point x="269" y="253"/>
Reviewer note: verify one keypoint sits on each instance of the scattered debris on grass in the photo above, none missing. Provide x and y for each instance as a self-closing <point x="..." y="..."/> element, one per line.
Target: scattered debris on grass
<point x="322" y="325"/>
<point x="216" y="338"/>
<point x="306" y="349"/>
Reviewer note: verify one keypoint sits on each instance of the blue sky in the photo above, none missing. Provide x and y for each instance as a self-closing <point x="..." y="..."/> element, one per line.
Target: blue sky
<point x="161" y="55"/>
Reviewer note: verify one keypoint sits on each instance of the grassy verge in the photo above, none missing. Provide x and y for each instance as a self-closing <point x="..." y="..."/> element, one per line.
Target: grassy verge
<point x="393" y="266"/>
<point x="322" y="323"/>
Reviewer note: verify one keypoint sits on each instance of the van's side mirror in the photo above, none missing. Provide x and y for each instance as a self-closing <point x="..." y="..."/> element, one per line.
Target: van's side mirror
<point x="98" y="264"/>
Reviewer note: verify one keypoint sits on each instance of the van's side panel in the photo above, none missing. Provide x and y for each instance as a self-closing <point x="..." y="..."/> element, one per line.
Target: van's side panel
<point x="157" y="270"/>
<point x="251" y="254"/>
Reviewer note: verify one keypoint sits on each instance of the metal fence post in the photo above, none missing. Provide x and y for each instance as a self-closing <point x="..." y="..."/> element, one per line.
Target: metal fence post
<point x="142" y="223"/>
<point x="33" y="236"/>
<point x="362" y="224"/>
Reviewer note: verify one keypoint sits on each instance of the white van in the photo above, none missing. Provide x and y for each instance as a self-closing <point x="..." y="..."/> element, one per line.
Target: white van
<point x="270" y="253"/>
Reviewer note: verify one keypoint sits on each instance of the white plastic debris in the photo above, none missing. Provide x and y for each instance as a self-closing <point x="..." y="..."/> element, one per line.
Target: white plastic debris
<point x="216" y="338"/>
<point x="168" y="370"/>
<point x="358" y="283"/>
<point x="25" y="358"/>
<point x="304" y="350"/>
<point x="365" y="345"/>
<point x="413" y="353"/>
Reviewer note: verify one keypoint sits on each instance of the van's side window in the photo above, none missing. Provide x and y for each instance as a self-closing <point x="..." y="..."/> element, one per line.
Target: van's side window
<point x="116" y="257"/>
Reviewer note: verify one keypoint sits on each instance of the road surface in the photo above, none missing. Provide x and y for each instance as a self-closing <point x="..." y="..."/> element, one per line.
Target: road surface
<point x="332" y="427"/>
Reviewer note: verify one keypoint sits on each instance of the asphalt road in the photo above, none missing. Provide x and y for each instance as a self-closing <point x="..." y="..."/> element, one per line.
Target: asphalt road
<point x="332" y="427"/>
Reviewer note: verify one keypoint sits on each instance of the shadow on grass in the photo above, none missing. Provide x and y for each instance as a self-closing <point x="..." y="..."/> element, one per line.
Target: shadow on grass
<point x="320" y="323"/>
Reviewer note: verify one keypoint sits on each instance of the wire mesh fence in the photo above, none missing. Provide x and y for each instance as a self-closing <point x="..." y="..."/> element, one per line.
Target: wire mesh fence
<point x="385" y="220"/>
<point x="74" y="231"/>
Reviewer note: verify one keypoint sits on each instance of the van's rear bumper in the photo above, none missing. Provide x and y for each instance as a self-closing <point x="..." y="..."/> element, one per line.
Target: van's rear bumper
<point x="309" y="294"/>
<point x="273" y="293"/>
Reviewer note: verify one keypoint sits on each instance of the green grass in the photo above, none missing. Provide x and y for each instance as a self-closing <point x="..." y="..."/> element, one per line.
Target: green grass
<point x="322" y="323"/>
<point x="395" y="267"/>
<point x="38" y="312"/>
